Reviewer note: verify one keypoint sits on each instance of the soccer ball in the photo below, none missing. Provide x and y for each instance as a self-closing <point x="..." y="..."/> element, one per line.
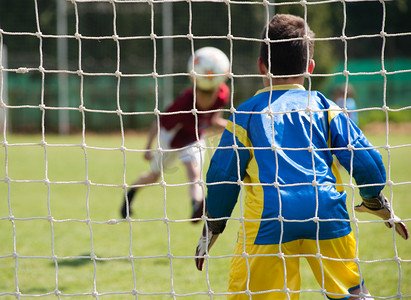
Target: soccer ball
<point x="211" y="62"/>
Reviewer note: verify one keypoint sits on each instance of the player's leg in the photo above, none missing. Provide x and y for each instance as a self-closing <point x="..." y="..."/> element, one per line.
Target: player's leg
<point x="259" y="271"/>
<point x="193" y="159"/>
<point x="196" y="192"/>
<point x="336" y="268"/>
<point x="145" y="178"/>
<point x="159" y="163"/>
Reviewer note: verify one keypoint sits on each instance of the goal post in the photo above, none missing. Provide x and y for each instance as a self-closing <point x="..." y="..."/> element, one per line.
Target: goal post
<point x="4" y="88"/>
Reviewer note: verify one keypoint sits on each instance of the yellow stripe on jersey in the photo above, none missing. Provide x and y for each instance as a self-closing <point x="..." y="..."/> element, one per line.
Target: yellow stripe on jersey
<point x="281" y="87"/>
<point x="254" y="201"/>
<point x="240" y="133"/>
<point x="334" y="111"/>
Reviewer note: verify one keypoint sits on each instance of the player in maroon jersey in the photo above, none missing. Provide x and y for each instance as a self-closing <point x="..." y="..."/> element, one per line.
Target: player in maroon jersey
<point x="183" y="124"/>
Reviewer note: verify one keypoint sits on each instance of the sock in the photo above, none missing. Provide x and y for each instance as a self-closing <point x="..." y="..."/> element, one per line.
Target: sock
<point x="130" y="195"/>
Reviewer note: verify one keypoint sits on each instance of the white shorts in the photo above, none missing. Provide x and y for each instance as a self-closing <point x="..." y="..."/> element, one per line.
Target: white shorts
<point x="193" y="152"/>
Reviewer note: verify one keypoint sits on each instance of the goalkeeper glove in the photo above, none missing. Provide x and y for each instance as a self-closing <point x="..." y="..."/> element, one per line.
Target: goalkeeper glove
<point x="210" y="233"/>
<point x="380" y="206"/>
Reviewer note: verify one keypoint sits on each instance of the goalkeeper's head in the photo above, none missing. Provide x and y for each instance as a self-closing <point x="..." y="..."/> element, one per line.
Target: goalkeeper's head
<point x="290" y="48"/>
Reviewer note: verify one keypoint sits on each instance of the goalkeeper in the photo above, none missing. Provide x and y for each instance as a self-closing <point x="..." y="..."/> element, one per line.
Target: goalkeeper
<point x="181" y="128"/>
<point x="278" y="146"/>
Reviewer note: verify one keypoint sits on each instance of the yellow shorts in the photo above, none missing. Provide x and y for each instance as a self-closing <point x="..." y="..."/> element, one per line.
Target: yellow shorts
<point x="262" y="272"/>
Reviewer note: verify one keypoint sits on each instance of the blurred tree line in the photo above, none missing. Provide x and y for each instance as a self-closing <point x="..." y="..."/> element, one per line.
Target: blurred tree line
<point x="138" y="52"/>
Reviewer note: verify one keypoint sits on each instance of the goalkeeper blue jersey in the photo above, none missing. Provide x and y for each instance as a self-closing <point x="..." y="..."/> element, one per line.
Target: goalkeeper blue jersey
<point x="278" y="149"/>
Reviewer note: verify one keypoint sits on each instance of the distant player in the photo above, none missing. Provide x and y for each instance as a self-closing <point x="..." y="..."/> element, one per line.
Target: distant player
<point x="182" y="128"/>
<point x="278" y="147"/>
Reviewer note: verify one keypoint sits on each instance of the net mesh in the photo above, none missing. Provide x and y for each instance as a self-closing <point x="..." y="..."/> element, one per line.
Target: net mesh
<point x="58" y="226"/>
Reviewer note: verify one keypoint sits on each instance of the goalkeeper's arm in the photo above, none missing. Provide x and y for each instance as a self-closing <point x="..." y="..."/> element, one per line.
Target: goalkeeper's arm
<point x="380" y="206"/>
<point x="222" y="190"/>
<point x="211" y="231"/>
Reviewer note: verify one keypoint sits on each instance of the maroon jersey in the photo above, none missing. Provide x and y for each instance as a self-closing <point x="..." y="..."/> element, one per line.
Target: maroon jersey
<point x="184" y="123"/>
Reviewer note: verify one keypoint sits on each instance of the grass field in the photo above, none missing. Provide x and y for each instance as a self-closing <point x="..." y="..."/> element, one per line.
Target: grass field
<point x="84" y="250"/>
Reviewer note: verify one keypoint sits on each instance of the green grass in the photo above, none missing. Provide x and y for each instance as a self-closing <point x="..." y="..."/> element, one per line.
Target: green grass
<point x="83" y="193"/>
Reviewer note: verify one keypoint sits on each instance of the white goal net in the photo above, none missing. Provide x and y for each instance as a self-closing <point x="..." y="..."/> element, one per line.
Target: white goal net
<point x="81" y="83"/>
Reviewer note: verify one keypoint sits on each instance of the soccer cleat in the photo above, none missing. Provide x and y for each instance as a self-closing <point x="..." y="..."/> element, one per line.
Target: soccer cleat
<point x="197" y="210"/>
<point x="129" y="199"/>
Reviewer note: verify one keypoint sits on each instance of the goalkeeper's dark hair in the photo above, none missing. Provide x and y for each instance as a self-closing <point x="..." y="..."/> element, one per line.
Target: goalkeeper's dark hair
<point x="287" y="57"/>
